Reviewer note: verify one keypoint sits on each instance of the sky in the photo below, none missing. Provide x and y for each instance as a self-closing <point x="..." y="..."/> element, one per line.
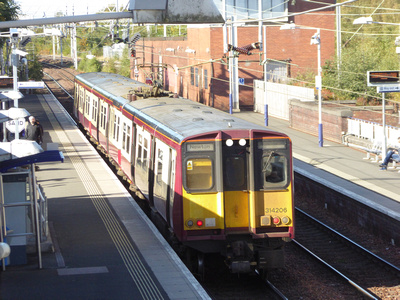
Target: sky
<point x="34" y="9"/>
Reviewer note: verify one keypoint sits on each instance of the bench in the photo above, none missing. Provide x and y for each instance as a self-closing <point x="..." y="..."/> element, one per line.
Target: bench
<point x="375" y="149"/>
<point x="394" y="164"/>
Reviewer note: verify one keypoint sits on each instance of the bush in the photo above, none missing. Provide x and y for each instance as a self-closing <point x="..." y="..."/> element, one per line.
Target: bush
<point x="89" y="65"/>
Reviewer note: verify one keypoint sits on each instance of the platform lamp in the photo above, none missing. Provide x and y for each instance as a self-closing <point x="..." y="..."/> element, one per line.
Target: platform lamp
<point x="315" y="40"/>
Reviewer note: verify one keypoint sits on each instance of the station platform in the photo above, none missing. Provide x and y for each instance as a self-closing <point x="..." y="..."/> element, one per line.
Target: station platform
<point x="104" y="245"/>
<point x="337" y="166"/>
<point x="92" y="221"/>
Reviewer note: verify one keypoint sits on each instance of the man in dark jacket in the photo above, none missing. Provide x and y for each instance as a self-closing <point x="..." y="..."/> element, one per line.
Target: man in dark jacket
<point x="34" y="131"/>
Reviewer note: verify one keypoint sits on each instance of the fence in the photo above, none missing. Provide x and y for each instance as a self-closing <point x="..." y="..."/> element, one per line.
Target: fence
<point x="372" y="131"/>
<point x="278" y="96"/>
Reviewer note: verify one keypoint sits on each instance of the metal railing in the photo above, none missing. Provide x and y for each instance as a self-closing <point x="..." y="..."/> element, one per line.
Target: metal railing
<point x="372" y="131"/>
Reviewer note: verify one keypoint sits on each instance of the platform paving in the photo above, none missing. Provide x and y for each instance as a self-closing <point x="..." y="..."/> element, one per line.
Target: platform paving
<point x="104" y="245"/>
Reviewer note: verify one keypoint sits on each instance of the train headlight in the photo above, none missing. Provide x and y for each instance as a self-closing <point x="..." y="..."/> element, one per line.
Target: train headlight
<point x="276" y="220"/>
<point x="285" y="220"/>
<point x="265" y="220"/>
<point x="242" y="142"/>
<point x="189" y="223"/>
<point x="229" y="143"/>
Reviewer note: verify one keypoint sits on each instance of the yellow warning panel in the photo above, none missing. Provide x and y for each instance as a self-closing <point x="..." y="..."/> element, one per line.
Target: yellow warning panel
<point x="189" y="165"/>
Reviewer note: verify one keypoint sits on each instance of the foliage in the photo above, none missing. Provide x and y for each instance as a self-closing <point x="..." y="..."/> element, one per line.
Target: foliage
<point x="110" y="66"/>
<point x="89" y="65"/>
<point x="8" y="10"/>
<point x="364" y="48"/>
<point x="35" y="69"/>
<point x="125" y="66"/>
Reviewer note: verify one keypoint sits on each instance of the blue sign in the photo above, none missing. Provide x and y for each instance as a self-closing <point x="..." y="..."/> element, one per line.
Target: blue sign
<point x="241" y="81"/>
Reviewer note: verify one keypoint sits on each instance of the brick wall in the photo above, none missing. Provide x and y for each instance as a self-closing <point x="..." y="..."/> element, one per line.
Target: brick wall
<point x="304" y="116"/>
<point x="213" y="89"/>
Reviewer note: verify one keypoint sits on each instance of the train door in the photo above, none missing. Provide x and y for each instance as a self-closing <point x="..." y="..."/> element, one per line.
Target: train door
<point x="236" y="186"/>
<point x="171" y="189"/>
<point x="162" y="178"/>
<point x="142" y="160"/>
<point x="103" y="121"/>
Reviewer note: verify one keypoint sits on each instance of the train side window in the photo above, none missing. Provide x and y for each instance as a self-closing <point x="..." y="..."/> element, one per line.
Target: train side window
<point x="142" y="151"/>
<point x="172" y="183"/>
<point x="87" y="104"/>
<point x="103" y="116"/>
<point x="139" y="150"/>
<point x="116" y="127"/>
<point x="199" y="174"/>
<point x="126" y="137"/>
<point x="160" y="156"/>
<point x="94" y="109"/>
<point x="145" y="152"/>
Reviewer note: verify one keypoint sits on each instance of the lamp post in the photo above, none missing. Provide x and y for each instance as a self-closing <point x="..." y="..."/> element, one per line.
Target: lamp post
<point x="315" y="40"/>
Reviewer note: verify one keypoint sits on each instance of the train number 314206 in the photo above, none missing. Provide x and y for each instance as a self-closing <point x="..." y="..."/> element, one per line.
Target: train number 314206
<point x="276" y="210"/>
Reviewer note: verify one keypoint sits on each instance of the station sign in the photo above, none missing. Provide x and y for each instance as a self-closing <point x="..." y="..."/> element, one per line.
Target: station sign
<point x="12" y="125"/>
<point x="30" y="84"/>
<point x="388" y="89"/>
<point x="382" y="78"/>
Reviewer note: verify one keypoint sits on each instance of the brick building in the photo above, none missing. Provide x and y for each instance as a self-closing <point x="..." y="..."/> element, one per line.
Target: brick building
<point x="196" y="66"/>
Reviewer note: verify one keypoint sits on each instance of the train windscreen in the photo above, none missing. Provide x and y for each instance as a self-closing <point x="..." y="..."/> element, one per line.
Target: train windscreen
<point x="271" y="164"/>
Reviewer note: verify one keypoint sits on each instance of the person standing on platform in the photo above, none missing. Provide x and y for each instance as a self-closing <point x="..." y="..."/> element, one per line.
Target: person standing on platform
<point x="392" y="154"/>
<point x="34" y="131"/>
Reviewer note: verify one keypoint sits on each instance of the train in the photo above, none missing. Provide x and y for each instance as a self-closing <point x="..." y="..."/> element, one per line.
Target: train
<point x="220" y="184"/>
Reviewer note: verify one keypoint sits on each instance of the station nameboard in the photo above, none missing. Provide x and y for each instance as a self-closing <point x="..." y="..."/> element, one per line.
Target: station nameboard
<point x="379" y="78"/>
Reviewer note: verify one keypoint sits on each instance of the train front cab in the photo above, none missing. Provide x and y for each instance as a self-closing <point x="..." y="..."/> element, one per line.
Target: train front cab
<point x="238" y="197"/>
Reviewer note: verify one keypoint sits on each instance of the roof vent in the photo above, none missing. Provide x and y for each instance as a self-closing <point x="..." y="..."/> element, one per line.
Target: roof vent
<point x="197" y="119"/>
<point x="177" y="110"/>
<point x="207" y="112"/>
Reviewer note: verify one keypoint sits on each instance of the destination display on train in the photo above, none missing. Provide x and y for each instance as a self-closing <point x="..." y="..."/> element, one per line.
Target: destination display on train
<point x="383" y="77"/>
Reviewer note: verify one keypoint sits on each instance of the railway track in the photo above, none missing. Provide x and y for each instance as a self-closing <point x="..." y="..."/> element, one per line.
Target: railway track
<point x="357" y="266"/>
<point x="303" y="277"/>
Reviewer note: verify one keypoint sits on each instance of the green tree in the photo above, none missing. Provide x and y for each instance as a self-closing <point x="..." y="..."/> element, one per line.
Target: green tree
<point x="8" y="10"/>
<point x="364" y="48"/>
<point x="35" y="69"/>
<point x="125" y="65"/>
<point x="109" y="66"/>
<point x="89" y="65"/>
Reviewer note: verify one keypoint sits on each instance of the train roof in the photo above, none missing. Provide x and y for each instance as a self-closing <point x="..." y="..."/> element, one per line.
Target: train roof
<point x="178" y="118"/>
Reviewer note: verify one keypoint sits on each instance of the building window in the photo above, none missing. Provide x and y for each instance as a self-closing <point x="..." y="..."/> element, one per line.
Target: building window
<point x="197" y="77"/>
<point x="191" y="76"/>
<point x="205" y="79"/>
<point x="245" y="9"/>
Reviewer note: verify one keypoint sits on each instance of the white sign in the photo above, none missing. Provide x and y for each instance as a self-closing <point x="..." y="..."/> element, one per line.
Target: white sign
<point x="318" y="82"/>
<point x="11" y="125"/>
<point x="30" y="84"/>
<point x="388" y="89"/>
<point x="241" y="81"/>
